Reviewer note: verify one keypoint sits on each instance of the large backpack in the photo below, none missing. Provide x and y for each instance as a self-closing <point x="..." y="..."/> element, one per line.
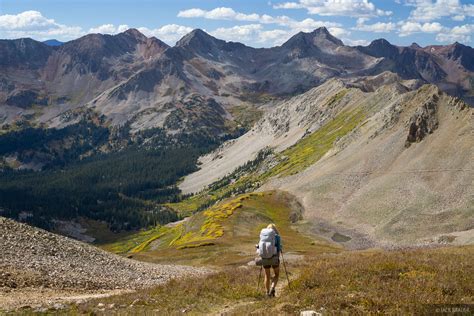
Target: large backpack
<point x="267" y="245"/>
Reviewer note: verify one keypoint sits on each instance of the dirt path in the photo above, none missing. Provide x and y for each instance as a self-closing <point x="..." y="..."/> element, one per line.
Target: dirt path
<point x="235" y="309"/>
<point x="39" y="299"/>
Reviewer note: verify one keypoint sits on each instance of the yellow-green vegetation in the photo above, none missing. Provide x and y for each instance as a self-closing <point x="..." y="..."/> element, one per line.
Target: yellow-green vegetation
<point x="337" y="97"/>
<point x="311" y="148"/>
<point x="211" y="227"/>
<point x="142" y="246"/>
<point x="133" y="241"/>
<point x="403" y="282"/>
<point x="293" y="160"/>
<point x="188" y="206"/>
<point x="225" y="234"/>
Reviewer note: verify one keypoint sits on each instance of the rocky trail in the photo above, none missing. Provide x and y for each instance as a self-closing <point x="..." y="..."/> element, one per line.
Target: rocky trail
<point x="41" y="267"/>
<point x="237" y="308"/>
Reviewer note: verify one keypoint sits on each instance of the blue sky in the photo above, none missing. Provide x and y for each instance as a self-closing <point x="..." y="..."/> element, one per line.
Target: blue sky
<point x="258" y="23"/>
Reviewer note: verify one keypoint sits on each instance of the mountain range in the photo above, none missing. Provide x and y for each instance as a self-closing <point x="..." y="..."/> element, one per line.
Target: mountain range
<point x="372" y="140"/>
<point x="142" y="82"/>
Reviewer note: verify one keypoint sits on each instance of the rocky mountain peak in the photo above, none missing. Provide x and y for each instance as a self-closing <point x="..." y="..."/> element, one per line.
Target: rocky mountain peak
<point x="464" y="54"/>
<point x="198" y="42"/>
<point x="196" y="36"/>
<point x="458" y="52"/>
<point x="319" y="37"/>
<point x="323" y="33"/>
<point x="381" y="43"/>
<point x="134" y="33"/>
<point x="380" y="48"/>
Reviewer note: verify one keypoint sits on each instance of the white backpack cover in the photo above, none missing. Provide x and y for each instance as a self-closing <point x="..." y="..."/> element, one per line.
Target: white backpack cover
<point x="266" y="246"/>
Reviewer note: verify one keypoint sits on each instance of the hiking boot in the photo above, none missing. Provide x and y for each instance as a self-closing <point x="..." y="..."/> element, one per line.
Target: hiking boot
<point x="272" y="292"/>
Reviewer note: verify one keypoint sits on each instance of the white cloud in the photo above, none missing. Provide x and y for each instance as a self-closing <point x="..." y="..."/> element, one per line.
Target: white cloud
<point x="26" y="21"/>
<point x="109" y="29"/>
<point x="338" y="31"/>
<point x="351" y="42"/>
<point x="253" y="33"/>
<point x="460" y="33"/>
<point x="288" y="5"/>
<point x="192" y="13"/>
<point x="221" y="13"/>
<point x="104" y="29"/>
<point x="408" y="28"/>
<point x="308" y="25"/>
<point x="238" y="33"/>
<point x="34" y="24"/>
<point x="352" y="8"/>
<point x="379" y="27"/>
<point x="429" y="10"/>
<point x="274" y="37"/>
<point x="224" y="13"/>
<point x="169" y="33"/>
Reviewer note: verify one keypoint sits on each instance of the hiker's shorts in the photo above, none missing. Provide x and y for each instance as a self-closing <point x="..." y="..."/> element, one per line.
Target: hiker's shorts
<point x="273" y="262"/>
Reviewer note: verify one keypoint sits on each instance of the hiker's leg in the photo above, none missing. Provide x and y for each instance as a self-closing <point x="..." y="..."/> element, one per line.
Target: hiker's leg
<point x="267" y="278"/>
<point x="276" y="270"/>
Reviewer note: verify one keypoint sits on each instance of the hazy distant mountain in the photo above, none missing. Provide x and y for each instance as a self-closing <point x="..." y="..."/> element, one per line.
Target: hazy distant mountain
<point x="53" y="42"/>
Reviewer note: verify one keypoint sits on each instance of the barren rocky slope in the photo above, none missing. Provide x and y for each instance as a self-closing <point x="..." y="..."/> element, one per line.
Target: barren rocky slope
<point x="35" y="259"/>
<point x="402" y="176"/>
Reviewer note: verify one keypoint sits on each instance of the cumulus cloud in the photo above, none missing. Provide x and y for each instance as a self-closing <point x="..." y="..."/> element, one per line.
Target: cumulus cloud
<point x="169" y="33"/>
<point x="34" y="24"/>
<point x="379" y="27"/>
<point x="460" y="33"/>
<point x="238" y="33"/>
<point x="408" y="28"/>
<point x="288" y="5"/>
<point x="429" y="10"/>
<point x="27" y="21"/>
<point x="352" y="42"/>
<point x="352" y="8"/>
<point x="109" y="29"/>
<point x="274" y="37"/>
<point x="224" y="13"/>
<point x="221" y="13"/>
<point x="253" y="33"/>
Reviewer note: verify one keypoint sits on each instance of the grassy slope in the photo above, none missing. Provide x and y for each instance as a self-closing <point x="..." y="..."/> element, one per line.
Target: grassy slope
<point x="225" y="234"/>
<point x="368" y="282"/>
<point x="291" y="161"/>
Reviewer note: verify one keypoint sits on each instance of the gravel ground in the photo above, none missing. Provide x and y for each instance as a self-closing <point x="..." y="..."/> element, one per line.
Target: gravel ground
<point x="36" y="259"/>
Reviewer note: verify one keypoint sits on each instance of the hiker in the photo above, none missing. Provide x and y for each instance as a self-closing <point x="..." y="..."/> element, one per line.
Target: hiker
<point x="269" y="249"/>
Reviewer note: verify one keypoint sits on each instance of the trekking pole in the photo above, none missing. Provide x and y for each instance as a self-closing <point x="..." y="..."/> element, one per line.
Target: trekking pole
<point x="259" y="277"/>
<point x="286" y="271"/>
